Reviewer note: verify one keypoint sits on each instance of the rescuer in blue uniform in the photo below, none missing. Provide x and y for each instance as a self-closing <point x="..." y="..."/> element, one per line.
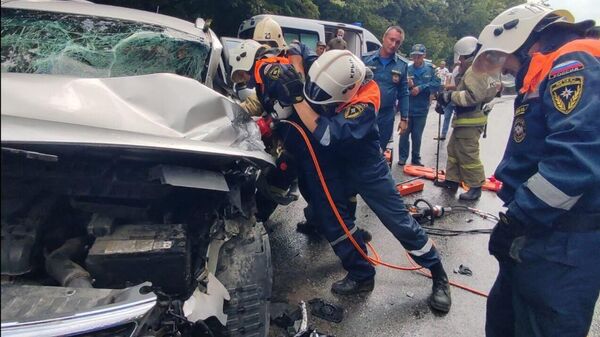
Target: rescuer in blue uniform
<point x="422" y="82"/>
<point x="345" y="127"/>
<point x="547" y="242"/>
<point x="390" y="72"/>
<point x="279" y="85"/>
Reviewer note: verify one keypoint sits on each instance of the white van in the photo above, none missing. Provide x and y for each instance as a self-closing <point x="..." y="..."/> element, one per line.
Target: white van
<point x="309" y="31"/>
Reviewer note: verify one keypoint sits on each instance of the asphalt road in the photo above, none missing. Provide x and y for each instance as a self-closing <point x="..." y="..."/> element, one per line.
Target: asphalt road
<point x="305" y="268"/>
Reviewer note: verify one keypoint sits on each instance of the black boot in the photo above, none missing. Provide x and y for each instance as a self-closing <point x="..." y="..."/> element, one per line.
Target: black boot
<point x="450" y="186"/>
<point x="440" y="291"/>
<point x="346" y="286"/>
<point x="473" y="193"/>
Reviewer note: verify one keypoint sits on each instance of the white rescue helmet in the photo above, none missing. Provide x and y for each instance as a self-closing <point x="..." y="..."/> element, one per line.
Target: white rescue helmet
<point x="334" y="77"/>
<point x="465" y="47"/>
<point x="268" y="31"/>
<point x="242" y="57"/>
<point x="510" y="30"/>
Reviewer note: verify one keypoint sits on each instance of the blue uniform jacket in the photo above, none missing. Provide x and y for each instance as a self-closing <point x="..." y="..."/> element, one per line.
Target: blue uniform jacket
<point x="392" y="81"/>
<point x="423" y="77"/>
<point x="551" y="167"/>
<point x="351" y="133"/>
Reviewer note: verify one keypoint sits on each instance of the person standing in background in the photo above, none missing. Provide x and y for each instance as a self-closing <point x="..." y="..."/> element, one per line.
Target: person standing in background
<point x="390" y="73"/>
<point x="422" y="81"/>
<point x="338" y="41"/>
<point x="321" y="46"/>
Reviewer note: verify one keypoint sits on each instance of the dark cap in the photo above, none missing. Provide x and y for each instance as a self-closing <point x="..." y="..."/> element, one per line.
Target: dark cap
<point x="418" y="49"/>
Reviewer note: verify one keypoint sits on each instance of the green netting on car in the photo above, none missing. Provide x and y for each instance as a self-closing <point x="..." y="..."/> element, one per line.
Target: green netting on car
<point x="86" y="46"/>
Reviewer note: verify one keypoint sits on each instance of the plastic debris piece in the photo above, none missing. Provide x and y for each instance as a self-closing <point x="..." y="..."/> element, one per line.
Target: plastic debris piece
<point x="326" y="311"/>
<point x="463" y="270"/>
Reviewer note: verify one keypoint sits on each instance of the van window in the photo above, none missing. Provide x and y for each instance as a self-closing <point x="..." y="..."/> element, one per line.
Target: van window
<point x="372" y="46"/>
<point x="309" y="38"/>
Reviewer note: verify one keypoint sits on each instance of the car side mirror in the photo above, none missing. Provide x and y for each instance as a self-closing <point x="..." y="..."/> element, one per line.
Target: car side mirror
<point x="200" y="23"/>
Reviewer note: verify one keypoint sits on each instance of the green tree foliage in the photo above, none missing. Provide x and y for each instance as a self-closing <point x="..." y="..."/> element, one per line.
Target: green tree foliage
<point x="437" y="24"/>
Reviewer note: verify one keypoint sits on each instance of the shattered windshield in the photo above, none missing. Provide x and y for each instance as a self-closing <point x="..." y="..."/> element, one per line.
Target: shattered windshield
<point x="86" y="46"/>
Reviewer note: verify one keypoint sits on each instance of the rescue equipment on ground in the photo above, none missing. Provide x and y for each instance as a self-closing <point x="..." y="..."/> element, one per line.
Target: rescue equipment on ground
<point x="410" y="186"/>
<point x="491" y="183"/>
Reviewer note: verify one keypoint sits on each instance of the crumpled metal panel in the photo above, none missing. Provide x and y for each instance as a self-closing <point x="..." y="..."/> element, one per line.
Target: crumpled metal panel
<point x="163" y="111"/>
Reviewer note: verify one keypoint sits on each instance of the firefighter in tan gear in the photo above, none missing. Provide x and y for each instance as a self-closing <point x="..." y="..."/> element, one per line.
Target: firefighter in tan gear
<point x="473" y="91"/>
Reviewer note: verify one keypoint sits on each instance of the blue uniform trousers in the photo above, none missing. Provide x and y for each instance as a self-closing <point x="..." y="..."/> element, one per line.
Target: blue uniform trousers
<point x="371" y="178"/>
<point x="544" y="295"/>
<point x="385" y="123"/>
<point x="357" y="267"/>
<point x="416" y="125"/>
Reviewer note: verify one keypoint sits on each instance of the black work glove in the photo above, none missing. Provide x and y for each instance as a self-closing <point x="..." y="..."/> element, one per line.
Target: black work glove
<point x="443" y="97"/>
<point x="503" y="235"/>
<point x="283" y="83"/>
<point x="439" y="108"/>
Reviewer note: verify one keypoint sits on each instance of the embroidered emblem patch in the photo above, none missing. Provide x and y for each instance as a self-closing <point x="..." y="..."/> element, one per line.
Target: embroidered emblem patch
<point x="354" y="111"/>
<point x="565" y="68"/>
<point x="566" y="93"/>
<point x="521" y="109"/>
<point x="273" y="72"/>
<point x="519" y="129"/>
<point x="395" y="76"/>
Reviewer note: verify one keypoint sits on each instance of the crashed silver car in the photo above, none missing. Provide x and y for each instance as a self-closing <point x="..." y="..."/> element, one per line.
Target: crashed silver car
<point x="128" y="183"/>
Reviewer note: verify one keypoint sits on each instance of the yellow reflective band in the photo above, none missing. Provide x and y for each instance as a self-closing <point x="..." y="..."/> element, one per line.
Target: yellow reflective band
<point x="471" y="121"/>
<point x="451" y="159"/>
<point x="471" y="166"/>
<point x="352" y="199"/>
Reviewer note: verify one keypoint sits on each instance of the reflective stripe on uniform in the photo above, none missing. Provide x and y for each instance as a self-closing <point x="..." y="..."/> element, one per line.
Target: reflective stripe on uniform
<point x="470" y="121"/>
<point x="471" y="166"/>
<point x="326" y="138"/>
<point x="452" y="159"/>
<point x="550" y="194"/>
<point x="352" y="199"/>
<point x="343" y="237"/>
<point x="424" y="250"/>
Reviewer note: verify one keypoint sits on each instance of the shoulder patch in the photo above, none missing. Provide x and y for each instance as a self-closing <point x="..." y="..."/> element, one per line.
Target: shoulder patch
<point x="519" y="131"/>
<point x="566" y="93"/>
<point x="521" y="109"/>
<point x="354" y="111"/>
<point x="565" y="68"/>
<point x="273" y="71"/>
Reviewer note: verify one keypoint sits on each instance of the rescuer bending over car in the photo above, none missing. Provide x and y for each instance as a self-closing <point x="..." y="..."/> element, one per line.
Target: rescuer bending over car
<point x="340" y="113"/>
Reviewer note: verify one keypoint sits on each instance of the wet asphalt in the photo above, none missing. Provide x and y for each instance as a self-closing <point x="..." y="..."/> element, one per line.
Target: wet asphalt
<point x="305" y="267"/>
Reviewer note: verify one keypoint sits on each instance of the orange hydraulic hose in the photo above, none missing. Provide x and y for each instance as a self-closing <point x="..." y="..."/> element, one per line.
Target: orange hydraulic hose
<point x="376" y="260"/>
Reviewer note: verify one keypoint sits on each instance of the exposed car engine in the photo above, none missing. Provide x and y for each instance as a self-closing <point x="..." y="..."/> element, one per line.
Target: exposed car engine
<point x="89" y="221"/>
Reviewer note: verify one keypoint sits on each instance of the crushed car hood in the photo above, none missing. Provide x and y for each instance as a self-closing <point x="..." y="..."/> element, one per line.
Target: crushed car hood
<point x="164" y="112"/>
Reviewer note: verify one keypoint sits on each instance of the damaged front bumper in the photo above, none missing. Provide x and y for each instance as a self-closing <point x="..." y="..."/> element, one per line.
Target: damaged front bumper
<point x="33" y="311"/>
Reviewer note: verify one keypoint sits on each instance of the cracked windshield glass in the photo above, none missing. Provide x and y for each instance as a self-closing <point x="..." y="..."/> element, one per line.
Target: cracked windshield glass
<point x="85" y="46"/>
